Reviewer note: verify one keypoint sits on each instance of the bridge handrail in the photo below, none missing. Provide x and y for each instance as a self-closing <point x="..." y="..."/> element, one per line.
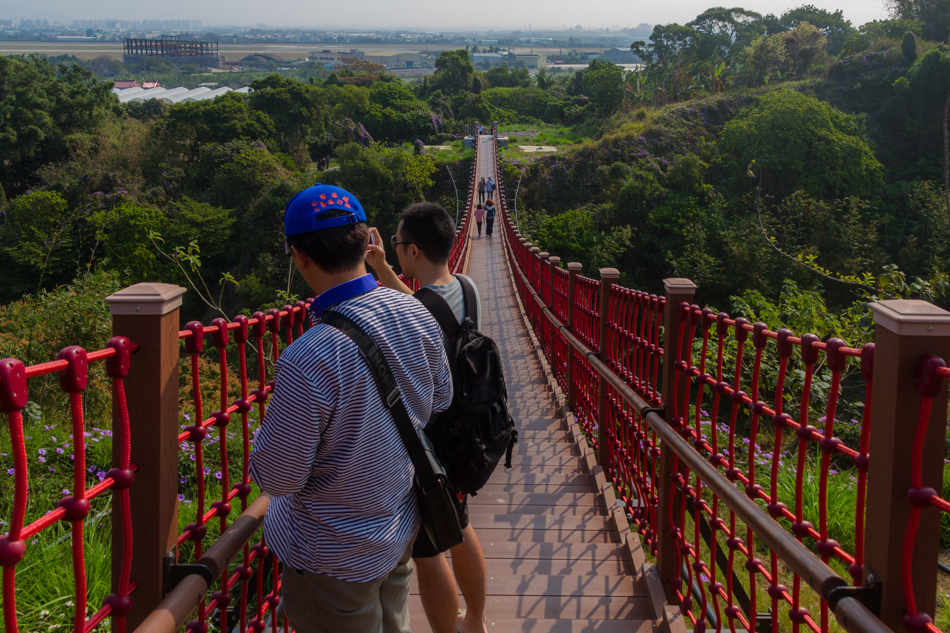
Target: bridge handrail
<point x="628" y="428"/>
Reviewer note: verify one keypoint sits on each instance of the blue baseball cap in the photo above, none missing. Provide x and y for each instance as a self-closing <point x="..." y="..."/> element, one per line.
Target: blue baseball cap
<point x="306" y="211"/>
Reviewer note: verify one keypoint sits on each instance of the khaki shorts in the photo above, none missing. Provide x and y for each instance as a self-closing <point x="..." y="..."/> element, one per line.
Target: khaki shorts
<point x="317" y="603"/>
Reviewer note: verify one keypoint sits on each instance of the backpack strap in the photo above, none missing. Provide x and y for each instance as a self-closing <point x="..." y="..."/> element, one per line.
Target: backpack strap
<point x="471" y="301"/>
<point x="389" y="392"/>
<point x="441" y="310"/>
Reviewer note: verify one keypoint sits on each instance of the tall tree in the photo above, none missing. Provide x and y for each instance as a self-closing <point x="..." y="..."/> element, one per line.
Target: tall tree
<point x="453" y="72"/>
<point x="726" y="30"/>
<point x="833" y="25"/>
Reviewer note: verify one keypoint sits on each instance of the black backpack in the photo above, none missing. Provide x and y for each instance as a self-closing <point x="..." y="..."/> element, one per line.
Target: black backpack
<point x="470" y="437"/>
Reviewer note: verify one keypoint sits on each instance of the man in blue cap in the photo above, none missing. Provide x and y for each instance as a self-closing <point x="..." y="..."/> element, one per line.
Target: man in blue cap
<point x="344" y="512"/>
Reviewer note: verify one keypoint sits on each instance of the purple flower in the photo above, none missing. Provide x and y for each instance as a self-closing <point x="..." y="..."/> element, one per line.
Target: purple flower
<point x="41" y="459"/>
<point x="217" y="474"/>
<point x="182" y="479"/>
<point x="100" y="475"/>
<point x="42" y="451"/>
<point x="65" y="491"/>
<point x="59" y="450"/>
<point x="11" y="471"/>
<point x="181" y="497"/>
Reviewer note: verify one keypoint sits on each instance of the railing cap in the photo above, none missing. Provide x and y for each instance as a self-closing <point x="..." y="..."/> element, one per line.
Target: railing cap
<point x="554" y="259"/>
<point x="146" y="299"/>
<point x="609" y="273"/>
<point x="575" y="267"/>
<point x="911" y="317"/>
<point x="534" y="249"/>
<point x="679" y="286"/>
<point x="544" y="254"/>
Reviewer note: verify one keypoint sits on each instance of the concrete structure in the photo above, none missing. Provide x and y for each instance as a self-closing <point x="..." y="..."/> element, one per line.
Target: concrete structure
<point x="492" y="58"/>
<point x="531" y="60"/>
<point x="394" y="60"/>
<point x="334" y="59"/>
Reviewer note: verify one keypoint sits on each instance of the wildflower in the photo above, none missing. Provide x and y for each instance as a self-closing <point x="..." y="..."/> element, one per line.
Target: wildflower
<point x="217" y="474"/>
<point x="181" y="497"/>
<point x="59" y="451"/>
<point x="42" y="451"/>
<point x="11" y="471"/>
<point x="41" y="459"/>
<point x="182" y="479"/>
<point x="100" y="475"/>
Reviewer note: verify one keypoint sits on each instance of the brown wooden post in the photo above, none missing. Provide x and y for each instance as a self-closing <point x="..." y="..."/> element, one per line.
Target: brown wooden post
<point x="147" y="314"/>
<point x="608" y="276"/>
<point x="545" y="266"/>
<point x="555" y="262"/>
<point x="678" y="291"/>
<point x="904" y="332"/>
<point x="573" y="270"/>
<point x="532" y="274"/>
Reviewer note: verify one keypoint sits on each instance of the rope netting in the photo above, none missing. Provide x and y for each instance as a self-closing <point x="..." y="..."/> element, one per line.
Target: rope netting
<point x="32" y="513"/>
<point x="931" y="384"/>
<point x="784" y="418"/>
<point x="215" y="471"/>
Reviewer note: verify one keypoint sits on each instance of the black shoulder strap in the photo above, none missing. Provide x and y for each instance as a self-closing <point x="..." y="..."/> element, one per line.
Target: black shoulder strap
<point x="386" y="383"/>
<point x="441" y="310"/>
<point x="471" y="301"/>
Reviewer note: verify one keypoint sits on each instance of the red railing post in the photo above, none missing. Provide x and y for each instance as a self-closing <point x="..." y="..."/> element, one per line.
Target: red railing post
<point x="573" y="270"/>
<point x="522" y="260"/>
<point x="555" y="263"/>
<point x="678" y="291"/>
<point x="533" y="269"/>
<point x="608" y="277"/>
<point x="904" y="332"/>
<point x="545" y="266"/>
<point x="147" y="314"/>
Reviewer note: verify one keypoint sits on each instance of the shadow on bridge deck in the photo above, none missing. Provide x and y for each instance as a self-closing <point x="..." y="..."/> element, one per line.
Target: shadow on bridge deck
<point x="556" y="561"/>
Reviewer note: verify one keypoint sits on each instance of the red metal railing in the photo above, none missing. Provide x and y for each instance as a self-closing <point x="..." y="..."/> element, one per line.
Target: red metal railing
<point x="74" y="507"/>
<point x="256" y="333"/>
<point x="708" y="550"/>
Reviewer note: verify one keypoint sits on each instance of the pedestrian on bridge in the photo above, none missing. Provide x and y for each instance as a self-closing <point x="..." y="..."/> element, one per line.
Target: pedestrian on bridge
<point x="479" y="217"/>
<point x="344" y="512"/>
<point x="423" y="242"/>
<point x="481" y="190"/>
<point x="490" y="187"/>
<point x="489" y="217"/>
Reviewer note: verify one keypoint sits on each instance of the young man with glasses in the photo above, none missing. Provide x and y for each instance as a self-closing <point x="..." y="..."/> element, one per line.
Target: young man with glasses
<point x="423" y="242"/>
<point x="344" y="511"/>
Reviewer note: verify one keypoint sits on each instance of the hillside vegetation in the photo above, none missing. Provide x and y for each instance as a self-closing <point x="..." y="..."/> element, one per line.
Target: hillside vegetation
<point x="753" y="154"/>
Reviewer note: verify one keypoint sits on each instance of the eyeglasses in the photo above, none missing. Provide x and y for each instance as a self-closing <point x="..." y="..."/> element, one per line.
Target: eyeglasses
<point x="394" y="242"/>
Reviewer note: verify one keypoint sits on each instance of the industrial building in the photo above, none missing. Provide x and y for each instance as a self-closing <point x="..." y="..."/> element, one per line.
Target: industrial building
<point x="395" y="60"/>
<point x="335" y="59"/>
<point x="173" y="49"/>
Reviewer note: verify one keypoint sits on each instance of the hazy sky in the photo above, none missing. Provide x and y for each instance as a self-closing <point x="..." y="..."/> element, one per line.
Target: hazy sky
<point x="425" y="14"/>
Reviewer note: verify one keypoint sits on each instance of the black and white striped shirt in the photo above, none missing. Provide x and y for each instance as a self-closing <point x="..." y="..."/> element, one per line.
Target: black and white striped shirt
<point x="328" y="449"/>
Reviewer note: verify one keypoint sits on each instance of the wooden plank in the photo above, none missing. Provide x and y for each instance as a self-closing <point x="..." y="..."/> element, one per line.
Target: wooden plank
<point x="477" y="510"/>
<point x="575" y="552"/>
<point x="514" y="499"/>
<point x="557" y="585"/>
<point x="610" y="566"/>
<point x="544" y="460"/>
<point x="531" y="625"/>
<point x="543" y="522"/>
<point x="540" y="477"/>
<point x="547" y="488"/>
<point x="492" y="535"/>
<point x="560" y="607"/>
<point x="546" y="448"/>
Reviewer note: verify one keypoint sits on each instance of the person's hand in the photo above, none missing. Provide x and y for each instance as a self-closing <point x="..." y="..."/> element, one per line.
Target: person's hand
<point x="375" y="253"/>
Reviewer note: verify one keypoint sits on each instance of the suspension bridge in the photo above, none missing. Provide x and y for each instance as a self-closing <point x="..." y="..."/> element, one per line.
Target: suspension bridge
<point x="675" y="467"/>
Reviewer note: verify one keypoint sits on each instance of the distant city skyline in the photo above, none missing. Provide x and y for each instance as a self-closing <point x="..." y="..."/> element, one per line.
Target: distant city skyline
<point x="447" y="15"/>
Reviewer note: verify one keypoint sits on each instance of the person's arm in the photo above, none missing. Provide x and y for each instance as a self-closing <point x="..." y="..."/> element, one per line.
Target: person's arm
<point x="287" y="440"/>
<point x="376" y="257"/>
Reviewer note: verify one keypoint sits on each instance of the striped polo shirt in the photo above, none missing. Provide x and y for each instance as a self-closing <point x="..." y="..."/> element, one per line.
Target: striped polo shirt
<point x="329" y="450"/>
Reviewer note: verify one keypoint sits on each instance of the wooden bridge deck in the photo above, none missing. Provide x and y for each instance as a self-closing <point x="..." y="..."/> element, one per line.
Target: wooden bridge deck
<point x="555" y="558"/>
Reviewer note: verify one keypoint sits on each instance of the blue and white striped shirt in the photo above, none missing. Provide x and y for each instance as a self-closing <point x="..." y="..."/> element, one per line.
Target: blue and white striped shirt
<point x="328" y="449"/>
